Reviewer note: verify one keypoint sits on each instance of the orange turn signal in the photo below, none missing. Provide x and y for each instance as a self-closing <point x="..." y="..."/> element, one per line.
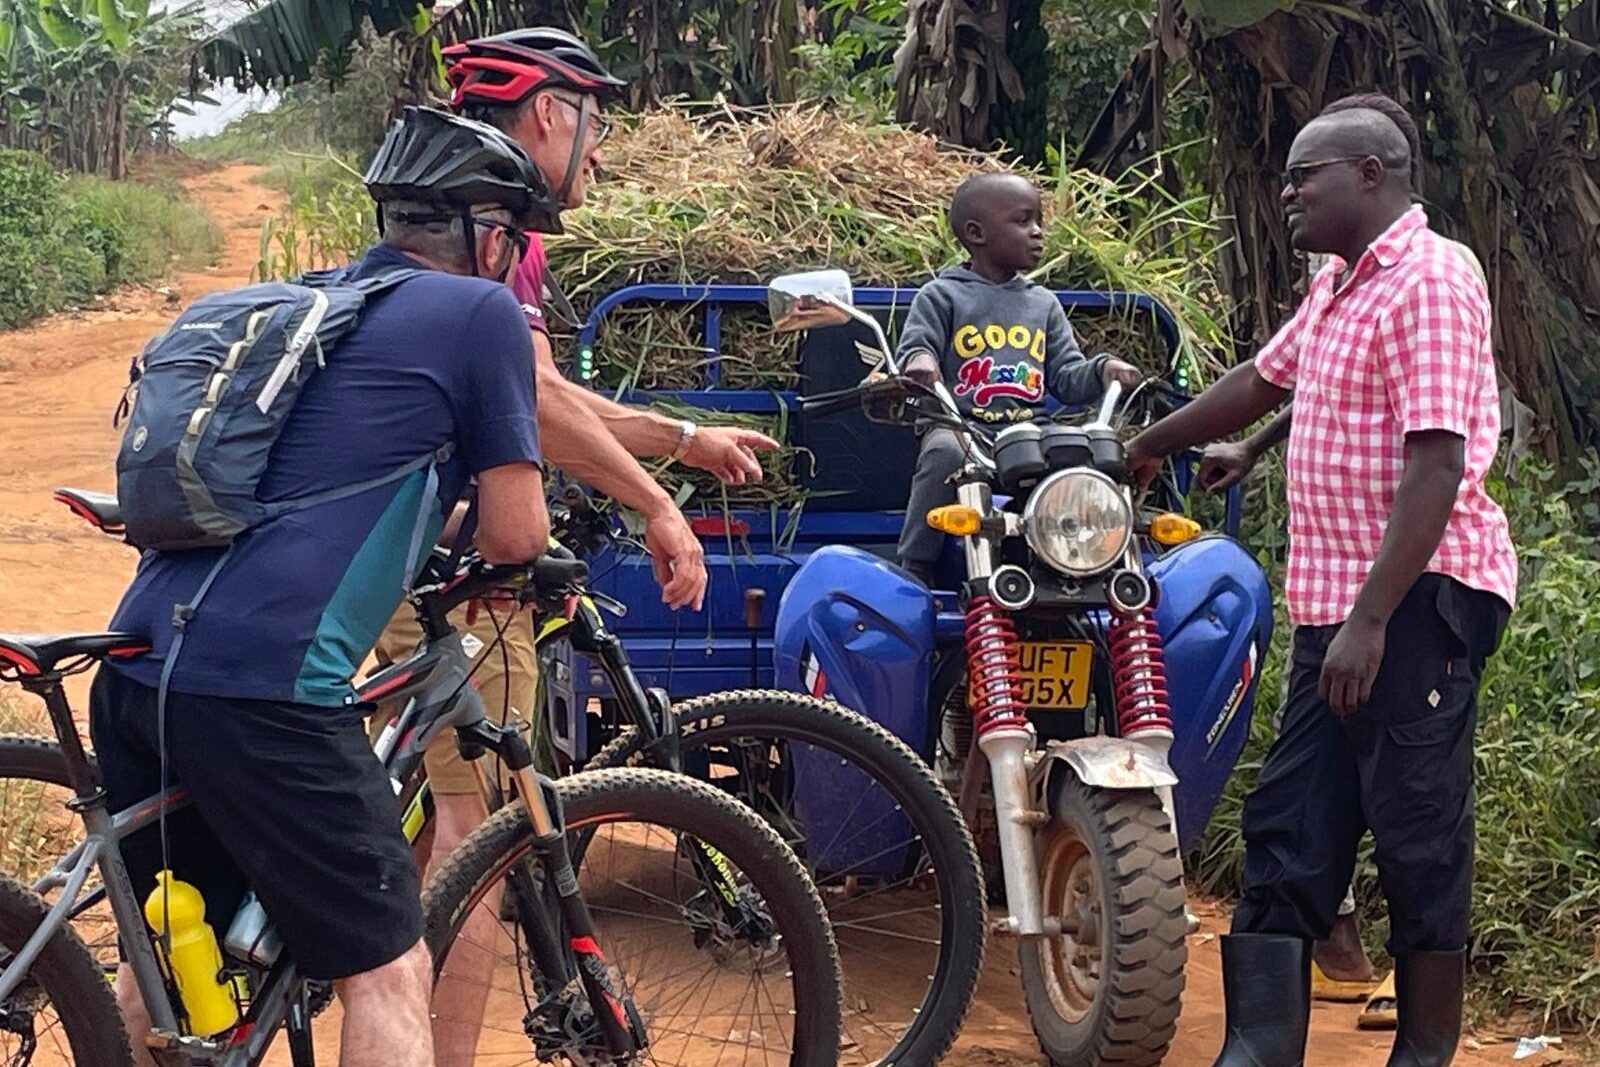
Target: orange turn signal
<point x="957" y="519"/>
<point x="1170" y="529"/>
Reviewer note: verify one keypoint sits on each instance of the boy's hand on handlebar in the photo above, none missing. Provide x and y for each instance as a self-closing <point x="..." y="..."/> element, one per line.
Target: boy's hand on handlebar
<point x="729" y="453"/>
<point x="677" y="558"/>
<point x="1116" y="370"/>
<point x="1224" y="465"/>
<point x="923" y="368"/>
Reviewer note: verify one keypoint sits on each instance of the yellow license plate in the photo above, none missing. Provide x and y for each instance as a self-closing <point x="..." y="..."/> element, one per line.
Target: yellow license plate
<point x="1055" y="674"/>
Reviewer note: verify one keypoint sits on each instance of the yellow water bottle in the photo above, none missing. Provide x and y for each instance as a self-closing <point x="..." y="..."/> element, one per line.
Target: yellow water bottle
<point x="193" y="959"/>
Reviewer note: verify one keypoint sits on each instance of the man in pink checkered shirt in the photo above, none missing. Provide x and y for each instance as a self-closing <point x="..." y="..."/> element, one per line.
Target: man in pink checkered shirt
<point x="1401" y="575"/>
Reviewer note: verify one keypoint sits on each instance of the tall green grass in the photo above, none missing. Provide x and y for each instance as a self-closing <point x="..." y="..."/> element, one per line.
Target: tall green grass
<point x="141" y="231"/>
<point x="328" y="219"/>
<point x="64" y="240"/>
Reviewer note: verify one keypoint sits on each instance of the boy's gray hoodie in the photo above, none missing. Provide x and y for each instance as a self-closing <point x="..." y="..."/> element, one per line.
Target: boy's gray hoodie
<point x="1000" y="347"/>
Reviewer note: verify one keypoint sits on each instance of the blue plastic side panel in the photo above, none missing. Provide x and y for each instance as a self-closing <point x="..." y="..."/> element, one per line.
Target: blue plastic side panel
<point x="1215" y="620"/>
<point x="853" y="628"/>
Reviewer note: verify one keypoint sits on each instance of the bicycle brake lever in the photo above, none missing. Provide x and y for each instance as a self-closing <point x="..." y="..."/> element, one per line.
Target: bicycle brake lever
<point x="615" y="607"/>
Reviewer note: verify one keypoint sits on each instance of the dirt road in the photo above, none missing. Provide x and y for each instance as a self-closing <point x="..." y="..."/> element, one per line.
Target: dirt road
<point x="61" y="381"/>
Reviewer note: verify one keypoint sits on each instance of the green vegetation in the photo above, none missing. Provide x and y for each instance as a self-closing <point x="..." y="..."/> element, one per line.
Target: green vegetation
<point x="88" y="83"/>
<point x="327" y="221"/>
<point x="344" y="109"/>
<point x="64" y="240"/>
<point x="699" y="194"/>
<point x="141" y="231"/>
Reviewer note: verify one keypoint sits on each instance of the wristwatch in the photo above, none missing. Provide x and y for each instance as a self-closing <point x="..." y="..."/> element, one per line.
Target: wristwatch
<point x="686" y="432"/>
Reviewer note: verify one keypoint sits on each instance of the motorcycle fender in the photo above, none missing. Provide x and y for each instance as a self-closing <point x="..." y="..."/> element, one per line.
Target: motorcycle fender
<point x="1110" y="763"/>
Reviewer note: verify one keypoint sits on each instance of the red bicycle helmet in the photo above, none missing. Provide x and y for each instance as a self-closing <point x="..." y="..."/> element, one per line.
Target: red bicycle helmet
<point x="507" y="68"/>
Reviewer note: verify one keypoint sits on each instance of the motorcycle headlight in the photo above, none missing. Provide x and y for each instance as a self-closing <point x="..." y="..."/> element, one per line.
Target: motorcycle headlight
<point x="1078" y="522"/>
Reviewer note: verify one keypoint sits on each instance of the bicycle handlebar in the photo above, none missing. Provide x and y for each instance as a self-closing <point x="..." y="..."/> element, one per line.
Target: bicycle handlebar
<point x="547" y="579"/>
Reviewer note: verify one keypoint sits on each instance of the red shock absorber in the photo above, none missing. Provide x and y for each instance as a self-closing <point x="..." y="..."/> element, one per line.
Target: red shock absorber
<point x="994" y="667"/>
<point x="1139" y="676"/>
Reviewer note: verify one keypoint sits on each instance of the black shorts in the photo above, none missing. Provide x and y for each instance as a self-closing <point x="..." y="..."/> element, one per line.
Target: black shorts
<point x="288" y="799"/>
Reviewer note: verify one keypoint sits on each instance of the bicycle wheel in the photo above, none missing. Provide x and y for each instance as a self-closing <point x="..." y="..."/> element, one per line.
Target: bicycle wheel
<point x="37" y="828"/>
<point x="702" y="989"/>
<point x="63" y="1013"/>
<point x="883" y="841"/>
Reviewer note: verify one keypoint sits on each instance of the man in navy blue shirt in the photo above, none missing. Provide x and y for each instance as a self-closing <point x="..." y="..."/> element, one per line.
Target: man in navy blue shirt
<point x="261" y="725"/>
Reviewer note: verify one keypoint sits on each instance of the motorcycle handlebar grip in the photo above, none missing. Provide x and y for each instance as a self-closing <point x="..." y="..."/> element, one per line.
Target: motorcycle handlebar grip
<point x="830" y="406"/>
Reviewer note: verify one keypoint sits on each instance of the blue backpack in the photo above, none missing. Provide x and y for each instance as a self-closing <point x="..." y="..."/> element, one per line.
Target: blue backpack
<point x="209" y="397"/>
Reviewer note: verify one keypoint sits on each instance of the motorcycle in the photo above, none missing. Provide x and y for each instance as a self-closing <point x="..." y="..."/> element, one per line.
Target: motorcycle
<point x="1102" y="661"/>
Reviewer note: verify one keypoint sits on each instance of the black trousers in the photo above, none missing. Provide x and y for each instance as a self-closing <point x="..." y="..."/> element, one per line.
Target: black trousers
<point x="1400" y="766"/>
<point x="940" y="457"/>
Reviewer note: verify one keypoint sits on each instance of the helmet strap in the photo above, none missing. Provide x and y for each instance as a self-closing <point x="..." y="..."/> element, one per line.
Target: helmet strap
<point x="470" y="231"/>
<point x="579" y="138"/>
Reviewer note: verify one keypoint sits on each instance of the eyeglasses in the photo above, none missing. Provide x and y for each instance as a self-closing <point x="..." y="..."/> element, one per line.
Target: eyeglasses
<point x="1300" y="172"/>
<point x="518" y="237"/>
<point x="598" y="123"/>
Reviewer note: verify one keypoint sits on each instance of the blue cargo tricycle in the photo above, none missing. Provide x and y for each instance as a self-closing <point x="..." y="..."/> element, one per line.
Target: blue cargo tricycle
<point x="1102" y="657"/>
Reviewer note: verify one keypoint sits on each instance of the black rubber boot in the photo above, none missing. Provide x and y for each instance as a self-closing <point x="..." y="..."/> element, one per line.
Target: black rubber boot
<point x="1428" y="988"/>
<point x="1266" y="986"/>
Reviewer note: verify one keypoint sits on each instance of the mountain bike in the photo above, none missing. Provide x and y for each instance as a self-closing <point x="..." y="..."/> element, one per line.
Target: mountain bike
<point x="596" y="859"/>
<point x="890" y="853"/>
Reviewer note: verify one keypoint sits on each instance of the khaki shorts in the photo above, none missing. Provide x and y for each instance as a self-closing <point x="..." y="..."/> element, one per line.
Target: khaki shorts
<point x="505" y="673"/>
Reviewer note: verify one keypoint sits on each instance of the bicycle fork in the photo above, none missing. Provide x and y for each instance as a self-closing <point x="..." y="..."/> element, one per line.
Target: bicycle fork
<point x="650" y="712"/>
<point x="539" y="800"/>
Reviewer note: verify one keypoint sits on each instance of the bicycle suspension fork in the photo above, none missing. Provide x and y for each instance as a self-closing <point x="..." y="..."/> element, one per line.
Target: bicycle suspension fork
<point x="650" y="713"/>
<point x="543" y="807"/>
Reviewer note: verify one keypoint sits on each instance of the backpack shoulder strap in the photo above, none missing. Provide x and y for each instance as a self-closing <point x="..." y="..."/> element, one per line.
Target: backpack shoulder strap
<point x="378" y="283"/>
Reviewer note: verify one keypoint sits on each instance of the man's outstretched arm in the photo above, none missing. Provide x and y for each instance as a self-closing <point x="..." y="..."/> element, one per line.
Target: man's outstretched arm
<point x="587" y="450"/>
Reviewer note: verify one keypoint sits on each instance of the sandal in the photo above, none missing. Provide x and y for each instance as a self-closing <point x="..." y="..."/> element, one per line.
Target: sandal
<point x="1381" y="1012"/>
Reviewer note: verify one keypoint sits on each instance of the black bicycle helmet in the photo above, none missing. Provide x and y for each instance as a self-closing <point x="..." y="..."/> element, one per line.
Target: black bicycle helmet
<point x="504" y="70"/>
<point x="433" y="157"/>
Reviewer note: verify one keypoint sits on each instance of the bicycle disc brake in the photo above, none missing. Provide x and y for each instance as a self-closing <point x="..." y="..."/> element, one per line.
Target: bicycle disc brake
<point x="563" y="1024"/>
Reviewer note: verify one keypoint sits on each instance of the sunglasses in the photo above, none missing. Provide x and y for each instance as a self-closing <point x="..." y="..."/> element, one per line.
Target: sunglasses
<point x="598" y="123"/>
<point x="517" y="237"/>
<point x="1301" y="172"/>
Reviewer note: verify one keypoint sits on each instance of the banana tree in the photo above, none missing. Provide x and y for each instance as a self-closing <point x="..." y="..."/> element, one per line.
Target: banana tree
<point x="743" y="48"/>
<point x="80" y="74"/>
<point x="1509" y="106"/>
<point x="953" y="70"/>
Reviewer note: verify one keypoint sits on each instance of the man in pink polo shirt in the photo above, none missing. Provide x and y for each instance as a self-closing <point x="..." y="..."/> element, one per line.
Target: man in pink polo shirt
<point x="1401" y="575"/>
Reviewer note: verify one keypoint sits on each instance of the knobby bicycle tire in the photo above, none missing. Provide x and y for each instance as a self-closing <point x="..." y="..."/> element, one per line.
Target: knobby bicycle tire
<point x="68" y="977"/>
<point x="683" y="805"/>
<point x="714" y="719"/>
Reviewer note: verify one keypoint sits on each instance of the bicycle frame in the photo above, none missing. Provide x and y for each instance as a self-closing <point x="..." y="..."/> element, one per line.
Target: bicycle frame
<point x="433" y="682"/>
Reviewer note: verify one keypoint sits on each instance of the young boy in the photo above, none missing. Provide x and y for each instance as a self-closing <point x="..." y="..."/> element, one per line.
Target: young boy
<point x="999" y="341"/>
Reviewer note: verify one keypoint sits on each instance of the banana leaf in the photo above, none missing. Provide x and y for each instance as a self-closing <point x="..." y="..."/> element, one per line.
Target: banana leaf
<point x="114" y="23"/>
<point x="279" y="43"/>
<point x="62" y="25"/>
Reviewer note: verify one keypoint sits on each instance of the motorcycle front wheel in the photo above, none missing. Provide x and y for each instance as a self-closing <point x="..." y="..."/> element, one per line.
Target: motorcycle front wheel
<point x="1110" y="991"/>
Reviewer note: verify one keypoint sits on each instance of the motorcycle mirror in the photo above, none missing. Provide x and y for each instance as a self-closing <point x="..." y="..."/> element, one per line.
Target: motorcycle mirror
<point x="809" y="299"/>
